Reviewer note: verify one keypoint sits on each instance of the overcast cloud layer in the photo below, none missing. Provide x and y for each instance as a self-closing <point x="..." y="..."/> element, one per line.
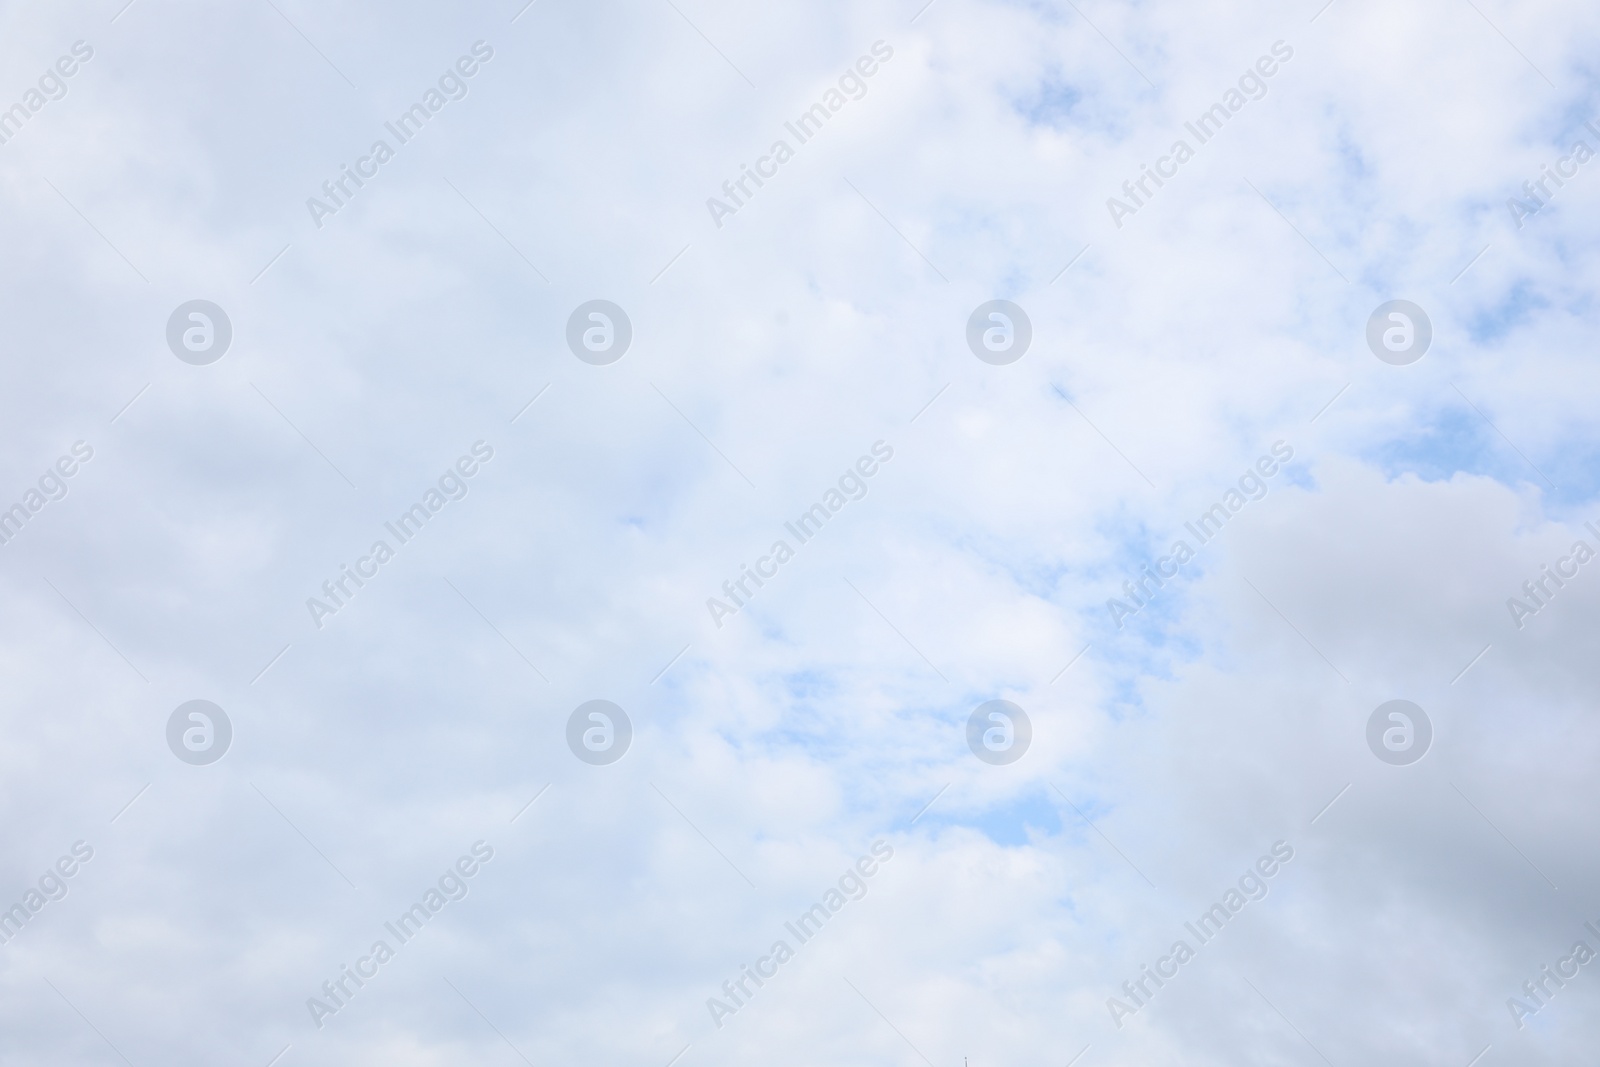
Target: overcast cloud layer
<point x="409" y="759"/>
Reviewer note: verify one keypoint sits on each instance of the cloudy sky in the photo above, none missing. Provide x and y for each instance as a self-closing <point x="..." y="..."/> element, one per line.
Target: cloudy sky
<point x="252" y="374"/>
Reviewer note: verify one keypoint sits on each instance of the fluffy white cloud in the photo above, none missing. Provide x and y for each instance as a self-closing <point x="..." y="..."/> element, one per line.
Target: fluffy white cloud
<point x="373" y="347"/>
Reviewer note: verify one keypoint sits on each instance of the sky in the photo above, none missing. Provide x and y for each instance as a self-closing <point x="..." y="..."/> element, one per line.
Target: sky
<point x="552" y="376"/>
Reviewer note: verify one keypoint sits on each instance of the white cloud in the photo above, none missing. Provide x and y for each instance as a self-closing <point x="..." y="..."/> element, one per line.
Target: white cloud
<point x="772" y="352"/>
